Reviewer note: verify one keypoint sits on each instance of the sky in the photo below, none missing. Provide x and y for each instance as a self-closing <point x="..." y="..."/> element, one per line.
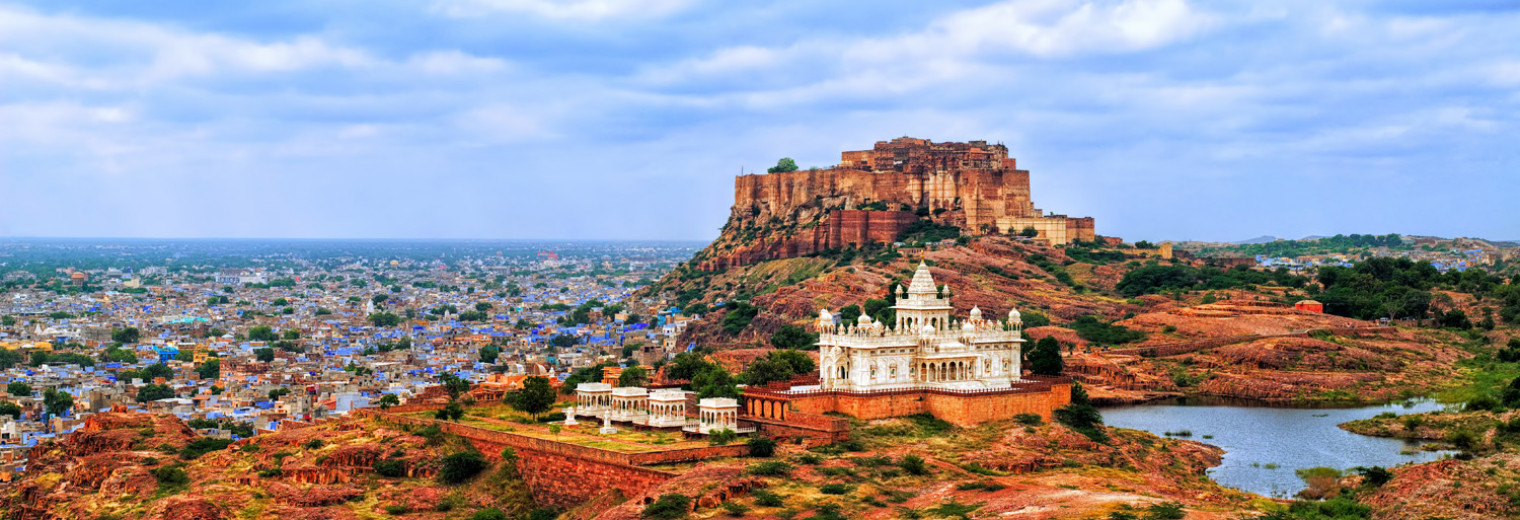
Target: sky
<point x="610" y="119"/>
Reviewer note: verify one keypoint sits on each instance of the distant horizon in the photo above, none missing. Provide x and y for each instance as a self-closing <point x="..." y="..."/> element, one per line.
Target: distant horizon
<point x="656" y="240"/>
<point x="380" y="239"/>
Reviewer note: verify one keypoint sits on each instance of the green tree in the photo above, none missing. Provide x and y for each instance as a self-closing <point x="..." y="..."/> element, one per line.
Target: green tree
<point x="786" y="164"/>
<point x="482" y="307"/>
<point x="1045" y="359"/>
<point x="489" y="353"/>
<point x="450" y="412"/>
<point x="1080" y="415"/>
<point x="454" y="385"/>
<point x="154" y="393"/>
<point x="262" y="333"/>
<point x="535" y="397"/>
<point x="211" y="369"/>
<point x="18" y="388"/>
<point x="265" y="354"/>
<point x="387" y="401"/>
<point x="633" y="376"/>
<point x="761" y="446"/>
<point x="274" y="394"/>
<point x="849" y="314"/>
<point x="9" y="358"/>
<point x="56" y="401"/>
<point x="670" y="506"/>
<point x="384" y="319"/>
<point x="11" y="409"/>
<point x="739" y="316"/>
<point x="714" y="381"/>
<point x="126" y="336"/>
<point x="563" y="341"/>
<point x="778" y="365"/>
<point x="460" y="467"/>
<point x="793" y="337"/>
<point x="1030" y="232"/>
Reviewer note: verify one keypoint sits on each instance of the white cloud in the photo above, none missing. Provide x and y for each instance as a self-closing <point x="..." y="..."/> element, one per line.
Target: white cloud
<point x="577" y="10"/>
<point x="131" y="54"/>
<point x="1051" y="28"/>
<point x="455" y="62"/>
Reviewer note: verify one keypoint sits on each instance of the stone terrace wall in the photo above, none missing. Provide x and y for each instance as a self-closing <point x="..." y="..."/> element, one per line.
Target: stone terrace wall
<point x="960" y="408"/>
<point x="559" y="474"/>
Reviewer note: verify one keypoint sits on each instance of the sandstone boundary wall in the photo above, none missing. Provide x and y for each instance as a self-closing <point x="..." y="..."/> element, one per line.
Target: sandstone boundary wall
<point x="565" y="475"/>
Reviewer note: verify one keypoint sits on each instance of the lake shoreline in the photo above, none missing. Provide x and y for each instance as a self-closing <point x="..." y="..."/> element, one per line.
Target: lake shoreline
<point x="1266" y="442"/>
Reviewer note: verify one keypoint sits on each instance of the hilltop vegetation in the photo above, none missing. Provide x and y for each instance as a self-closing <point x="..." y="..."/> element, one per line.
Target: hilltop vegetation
<point x="1327" y="245"/>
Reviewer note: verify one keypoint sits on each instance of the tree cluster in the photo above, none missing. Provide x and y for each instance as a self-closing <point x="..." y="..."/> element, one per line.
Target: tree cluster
<point x="1156" y="279"/>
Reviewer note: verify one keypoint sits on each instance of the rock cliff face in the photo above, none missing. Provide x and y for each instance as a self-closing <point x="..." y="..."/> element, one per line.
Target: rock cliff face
<point x="872" y="196"/>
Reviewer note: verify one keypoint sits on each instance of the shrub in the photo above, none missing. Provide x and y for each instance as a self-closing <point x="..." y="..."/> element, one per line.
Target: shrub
<point x="1375" y="476"/>
<point x="1028" y="419"/>
<point x="770" y="468"/>
<point x="721" y="437"/>
<point x="271" y="472"/>
<point x="312" y="444"/>
<point x="1412" y="422"/>
<point x="1462" y="439"/>
<point x="765" y="498"/>
<point x="390" y="468"/>
<point x="734" y="508"/>
<point x="1165" y="511"/>
<point x="489" y="514"/>
<point x="201" y="446"/>
<point x="670" y="506"/>
<point x="914" y="465"/>
<point x="808" y="459"/>
<point x="170" y="477"/>
<point x="985" y="485"/>
<point x="461" y="467"/>
<point x="761" y="446"/>
<point x="398" y="509"/>
<point x="834" y="489"/>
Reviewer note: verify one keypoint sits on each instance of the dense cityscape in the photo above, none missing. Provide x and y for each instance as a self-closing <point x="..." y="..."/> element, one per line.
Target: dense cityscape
<point x="237" y="337"/>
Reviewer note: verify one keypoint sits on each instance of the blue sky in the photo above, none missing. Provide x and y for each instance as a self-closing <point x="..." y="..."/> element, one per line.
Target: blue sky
<point x="1164" y="119"/>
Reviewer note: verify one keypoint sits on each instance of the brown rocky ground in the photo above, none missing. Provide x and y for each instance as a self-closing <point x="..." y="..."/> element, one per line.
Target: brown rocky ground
<point x="1264" y="353"/>
<point x="992" y="273"/>
<point x="125" y="466"/>
<point x="1483" y="483"/>
<point x="1003" y="470"/>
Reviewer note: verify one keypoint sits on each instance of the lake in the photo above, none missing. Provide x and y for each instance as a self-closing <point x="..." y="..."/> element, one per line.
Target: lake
<point x="1265" y="444"/>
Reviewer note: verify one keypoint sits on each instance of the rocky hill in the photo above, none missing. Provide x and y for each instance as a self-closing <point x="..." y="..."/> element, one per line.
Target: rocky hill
<point x="126" y="465"/>
<point x="901" y="188"/>
<point x="992" y="272"/>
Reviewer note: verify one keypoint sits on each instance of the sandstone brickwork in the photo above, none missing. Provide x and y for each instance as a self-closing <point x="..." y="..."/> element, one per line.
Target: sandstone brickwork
<point x="960" y="408"/>
<point x="871" y="196"/>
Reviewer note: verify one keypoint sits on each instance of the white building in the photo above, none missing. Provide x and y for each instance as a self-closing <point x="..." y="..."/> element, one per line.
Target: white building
<point x="926" y="348"/>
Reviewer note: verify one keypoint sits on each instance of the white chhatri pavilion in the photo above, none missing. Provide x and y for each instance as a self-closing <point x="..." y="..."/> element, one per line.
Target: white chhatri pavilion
<point x="925" y="348"/>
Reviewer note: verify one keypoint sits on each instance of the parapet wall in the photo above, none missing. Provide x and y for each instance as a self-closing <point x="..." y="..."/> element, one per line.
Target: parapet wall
<point x="565" y="475"/>
<point x="959" y="408"/>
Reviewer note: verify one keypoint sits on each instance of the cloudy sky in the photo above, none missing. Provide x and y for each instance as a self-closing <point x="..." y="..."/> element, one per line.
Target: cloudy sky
<point x="1164" y="119"/>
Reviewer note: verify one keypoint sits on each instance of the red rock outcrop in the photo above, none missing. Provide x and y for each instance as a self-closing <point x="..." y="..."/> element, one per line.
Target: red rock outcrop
<point x="872" y="196"/>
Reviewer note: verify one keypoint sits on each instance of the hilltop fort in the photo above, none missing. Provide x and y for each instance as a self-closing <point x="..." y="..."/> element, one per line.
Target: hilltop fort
<point x="877" y="195"/>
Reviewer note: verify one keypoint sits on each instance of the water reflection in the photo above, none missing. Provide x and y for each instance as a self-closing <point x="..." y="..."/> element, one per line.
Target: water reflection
<point x="1265" y="444"/>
